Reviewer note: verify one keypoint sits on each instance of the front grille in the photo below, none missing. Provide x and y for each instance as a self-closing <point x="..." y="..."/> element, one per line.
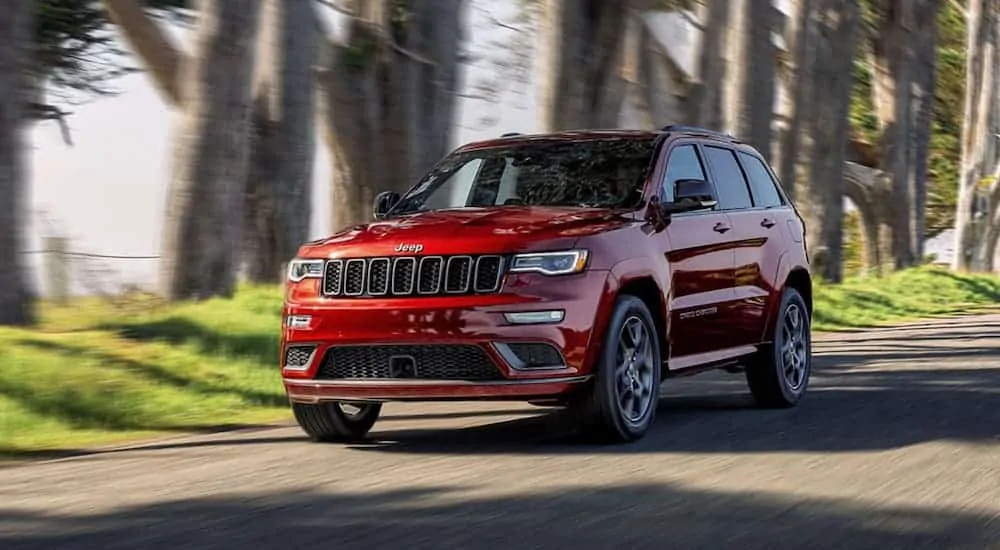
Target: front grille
<point x="430" y="362"/>
<point x="298" y="356"/>
<point x="411" y="275"/>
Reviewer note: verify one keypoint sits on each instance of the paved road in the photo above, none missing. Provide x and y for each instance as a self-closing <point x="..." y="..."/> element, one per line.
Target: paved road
<point x="897" y="446"/>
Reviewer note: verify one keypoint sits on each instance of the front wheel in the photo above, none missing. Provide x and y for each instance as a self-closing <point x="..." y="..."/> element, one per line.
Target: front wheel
<point x="778" y="374"/>
<point x="335" y="421"/>
<point x="620" y="404"/>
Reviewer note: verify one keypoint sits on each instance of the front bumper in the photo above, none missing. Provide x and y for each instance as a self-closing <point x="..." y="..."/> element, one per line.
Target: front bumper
<point x="313" y="391"/>
<point x="451" y="321"/>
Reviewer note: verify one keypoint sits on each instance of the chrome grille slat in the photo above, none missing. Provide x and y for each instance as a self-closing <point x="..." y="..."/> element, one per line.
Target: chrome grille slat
<point x="458" y="274"/>
<point x="404" y="271"/>
<point x="413" y="276"/>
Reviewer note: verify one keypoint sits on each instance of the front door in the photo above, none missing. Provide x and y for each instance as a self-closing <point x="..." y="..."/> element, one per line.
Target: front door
<point x="701" y="261"/>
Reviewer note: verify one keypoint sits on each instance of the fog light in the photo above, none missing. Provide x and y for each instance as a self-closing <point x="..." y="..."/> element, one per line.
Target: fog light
<point x="533" y="317"/>
<point x="299" y="321"/>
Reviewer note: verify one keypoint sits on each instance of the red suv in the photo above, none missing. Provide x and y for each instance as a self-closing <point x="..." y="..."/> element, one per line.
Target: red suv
<point x="576" y="269"/>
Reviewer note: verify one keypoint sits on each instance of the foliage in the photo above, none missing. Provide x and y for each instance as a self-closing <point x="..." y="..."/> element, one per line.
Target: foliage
<point x="946" y="125"/>
<point x="76" y="49"/>
<point x="99" y="372"/>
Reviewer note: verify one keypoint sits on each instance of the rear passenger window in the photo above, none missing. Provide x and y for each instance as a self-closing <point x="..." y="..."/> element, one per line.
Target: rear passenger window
<point x="729" y="180"/>
<point x="765" y="190"/>
<point x="683" y="164"/>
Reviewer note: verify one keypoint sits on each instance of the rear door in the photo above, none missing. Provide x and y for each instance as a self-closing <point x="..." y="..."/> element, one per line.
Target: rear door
<point x="701" y="261"/>
<point x="754" y="209"/>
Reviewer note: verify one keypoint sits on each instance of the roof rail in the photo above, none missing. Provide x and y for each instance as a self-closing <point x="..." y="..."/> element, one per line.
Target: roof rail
<point x="699" y="131"/>
<point x="511" y="134"/>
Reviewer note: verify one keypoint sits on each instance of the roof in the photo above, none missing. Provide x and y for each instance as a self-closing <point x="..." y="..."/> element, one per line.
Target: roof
<point x="596" y="134"/>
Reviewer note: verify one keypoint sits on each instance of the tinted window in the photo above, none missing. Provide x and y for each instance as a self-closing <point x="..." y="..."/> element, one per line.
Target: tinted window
<point x="729" y="181"/>
<point x="684" y="163"/>
<point x="605" y="172"/>
<point x="765" y="192"/>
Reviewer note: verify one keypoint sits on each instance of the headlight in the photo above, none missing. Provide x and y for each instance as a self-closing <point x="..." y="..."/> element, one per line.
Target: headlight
<point x="550" y="263"/>
<point x="304" y="269"/>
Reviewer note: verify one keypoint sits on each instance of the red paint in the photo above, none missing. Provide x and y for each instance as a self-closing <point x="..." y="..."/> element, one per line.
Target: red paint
<point x="717" y="290"/>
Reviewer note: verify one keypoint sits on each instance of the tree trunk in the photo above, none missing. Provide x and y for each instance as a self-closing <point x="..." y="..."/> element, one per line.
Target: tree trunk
<point x="204" y="214"/>
<point x="925" y="75"/>
<point x="749" y="105"/>
<point x="704" y="100"/>
<point x="582" y="41"/>
<point x="371" y="97"/>
<point x="800" y="46"/>
<point x="162" y="58"/>
<point x="15" y="297"/>
<point x="282" y="140"/>
<point x="980" y="51"/>
<point x="837" y="29"/>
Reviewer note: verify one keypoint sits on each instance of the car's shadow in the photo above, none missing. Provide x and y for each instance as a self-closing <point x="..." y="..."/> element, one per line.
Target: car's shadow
<point x="911" y="397"/>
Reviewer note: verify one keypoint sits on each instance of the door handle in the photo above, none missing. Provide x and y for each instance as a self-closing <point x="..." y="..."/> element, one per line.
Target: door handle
<point x="767" y="222"/>
<point x="721" y="227"/>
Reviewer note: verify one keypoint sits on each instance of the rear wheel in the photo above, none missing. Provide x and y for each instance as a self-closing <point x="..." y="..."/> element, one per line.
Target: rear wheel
<point x="778" y="374"/>
<point x="336" y="421"/>
<point x="620" y="404"/>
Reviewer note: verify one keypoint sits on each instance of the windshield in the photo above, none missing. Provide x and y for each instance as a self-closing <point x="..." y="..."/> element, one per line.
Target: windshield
<point x="604" y="173"/>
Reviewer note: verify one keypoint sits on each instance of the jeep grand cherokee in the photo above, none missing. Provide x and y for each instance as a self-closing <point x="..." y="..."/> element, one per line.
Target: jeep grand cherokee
<point x="577" y="269"/>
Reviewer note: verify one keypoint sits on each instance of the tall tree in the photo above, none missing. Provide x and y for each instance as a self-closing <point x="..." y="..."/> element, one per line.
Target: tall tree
<point x="15" y="297"/>
<point x="397" y="60"/>
<point x="801" y="34"/>
<point x="749" y="103"/>
<point x="204" y="214"/>
<point x="837" y="26"/>
<point x="580" y="56"/>
<point x="282" y="139"/>
<point x="979" y="89"/>
<point x="902" y="92"/>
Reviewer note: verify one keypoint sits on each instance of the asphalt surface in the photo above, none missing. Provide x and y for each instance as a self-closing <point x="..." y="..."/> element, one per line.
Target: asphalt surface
<point x="896" y="446"/>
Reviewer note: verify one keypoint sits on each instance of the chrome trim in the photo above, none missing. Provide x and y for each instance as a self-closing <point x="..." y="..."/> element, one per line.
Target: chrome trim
<point x="441" y="274"/>
<point x="309" y="361"/>
<point x="326" y="275"/>
<point x="496" y="282"/>
<point x="404" y="382"/>
<point x="364" y="276"/>
<point x="388" y="276"/>
<point x="468" y="278"/>
<point x="413" y="275"/>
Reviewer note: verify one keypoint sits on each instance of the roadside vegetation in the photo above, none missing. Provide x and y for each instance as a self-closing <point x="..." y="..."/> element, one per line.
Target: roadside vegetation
<point x="99" y="371"/>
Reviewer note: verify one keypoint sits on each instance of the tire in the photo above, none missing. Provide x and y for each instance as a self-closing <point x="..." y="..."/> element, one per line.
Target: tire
<point x="778" y="375"/>
<point x="329" y="422"/>
<point x="602" y="412"/>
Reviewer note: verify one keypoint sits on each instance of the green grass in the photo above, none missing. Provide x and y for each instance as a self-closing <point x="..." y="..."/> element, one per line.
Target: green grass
<point x="99" y="372"/>
<point x="902" y="296"/>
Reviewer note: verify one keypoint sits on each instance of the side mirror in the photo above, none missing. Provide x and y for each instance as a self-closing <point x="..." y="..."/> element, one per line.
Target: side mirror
<point x="384" y="202"/>
<point x="689" y="195"/>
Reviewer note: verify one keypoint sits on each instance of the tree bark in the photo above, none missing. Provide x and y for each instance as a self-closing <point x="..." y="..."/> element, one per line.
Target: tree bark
<point x="801" y="36"/>
<point x="980" y="52"/>
<point x="204" y="213"/>
<point x="16" y="304"/>
<point x="282" y="140"/>
<point x="161" y="56"/>
<point x="704" y="100"/>
<point x="582" y="41"/>
<point x="925" y="68"/>
<point x="749" y="105"/>
<point x="838" y="21"/>
<point x="370" y="98"/>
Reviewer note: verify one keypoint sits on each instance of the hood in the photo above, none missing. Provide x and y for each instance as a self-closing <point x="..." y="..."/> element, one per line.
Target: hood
<point x="469" y="231"/>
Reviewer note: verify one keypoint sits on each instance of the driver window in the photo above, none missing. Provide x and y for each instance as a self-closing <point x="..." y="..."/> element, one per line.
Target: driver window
<point x="684" y="163"/>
